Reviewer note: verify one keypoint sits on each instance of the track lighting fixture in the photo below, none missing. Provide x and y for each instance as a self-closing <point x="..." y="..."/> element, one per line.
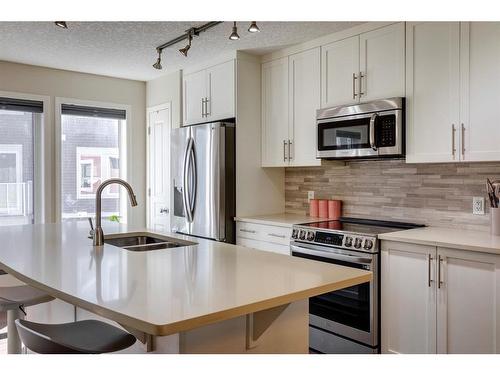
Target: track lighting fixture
<point x="254" y="28"/>
<point x="184" y="51"/>
<point x="234" y="35"/>
<point x="157" y="64"/>
<point x="61" y="24"/>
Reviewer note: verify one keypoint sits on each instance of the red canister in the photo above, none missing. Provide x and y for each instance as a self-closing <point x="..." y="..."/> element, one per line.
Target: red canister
<point x="334" y="209"/>
<point x="323" y="208"/>
<point x="313" y="208"/>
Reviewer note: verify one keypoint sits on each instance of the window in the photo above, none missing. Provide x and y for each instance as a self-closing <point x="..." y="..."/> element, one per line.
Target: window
<point x="18" y="119"/>
<point x="92" y="141"/>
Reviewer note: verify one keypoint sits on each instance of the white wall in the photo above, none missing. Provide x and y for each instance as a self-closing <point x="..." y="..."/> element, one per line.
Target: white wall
<point x="60" y="83"/>
<point x="166" y="89"/>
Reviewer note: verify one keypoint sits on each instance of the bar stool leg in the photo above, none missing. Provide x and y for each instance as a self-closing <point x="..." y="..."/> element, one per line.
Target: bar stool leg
<point x="13" y="341"/>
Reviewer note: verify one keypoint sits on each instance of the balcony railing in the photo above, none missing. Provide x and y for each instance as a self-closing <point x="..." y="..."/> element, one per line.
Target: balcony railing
<point x="16" y="198"/>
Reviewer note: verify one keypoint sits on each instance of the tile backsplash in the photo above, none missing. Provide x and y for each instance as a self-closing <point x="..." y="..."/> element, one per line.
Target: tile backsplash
<point x="431" y="194"/>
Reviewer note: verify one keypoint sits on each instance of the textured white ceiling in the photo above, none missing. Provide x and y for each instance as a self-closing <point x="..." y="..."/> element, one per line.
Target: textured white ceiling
<point x="127" y="49"/>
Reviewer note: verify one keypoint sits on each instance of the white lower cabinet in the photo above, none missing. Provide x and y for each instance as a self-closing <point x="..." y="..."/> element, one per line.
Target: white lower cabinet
<point x="271" y="238"/>
<point x="439" y="300"/>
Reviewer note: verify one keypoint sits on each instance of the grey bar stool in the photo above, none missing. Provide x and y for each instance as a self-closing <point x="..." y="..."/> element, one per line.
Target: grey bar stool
<point x="83" y="337"/>
<point x="14" y="299"/>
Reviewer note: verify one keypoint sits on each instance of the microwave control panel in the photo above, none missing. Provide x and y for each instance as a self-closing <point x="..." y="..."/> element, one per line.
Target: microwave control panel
<point x="386" y="131"/>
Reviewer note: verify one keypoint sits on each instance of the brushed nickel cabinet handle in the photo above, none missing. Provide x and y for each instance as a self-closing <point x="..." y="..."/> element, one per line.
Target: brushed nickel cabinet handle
<point x="276" y="235"/>
<point x="354" y="78"/>
<point x="284" y="150"/>
<point x="289" y="150"/>
<point x="429" y="261"/>
<point x="247" y="230"/>
<point x="439" y="271"/>
<point x="202" y="107"/>
<point x="360" y="84"/>
<point x="453" y="148"/>
<point x="207" y="111"/>
<point x="463" y="139"/>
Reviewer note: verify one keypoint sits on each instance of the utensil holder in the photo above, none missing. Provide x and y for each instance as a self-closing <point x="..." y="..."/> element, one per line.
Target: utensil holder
<point x="495" y="221"/>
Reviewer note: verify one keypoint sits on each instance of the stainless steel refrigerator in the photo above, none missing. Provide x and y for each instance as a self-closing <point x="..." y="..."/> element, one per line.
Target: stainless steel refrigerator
<point x="203" y="181"/>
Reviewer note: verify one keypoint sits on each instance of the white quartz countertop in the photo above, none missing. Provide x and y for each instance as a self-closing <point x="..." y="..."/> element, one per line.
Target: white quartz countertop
<point x="282" y="220"/>
<point x="164" y="291"/>
<point x="444" y="237"/>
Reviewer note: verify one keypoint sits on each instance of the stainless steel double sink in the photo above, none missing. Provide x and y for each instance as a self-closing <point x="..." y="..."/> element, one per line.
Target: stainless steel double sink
<point x="144" y="241"/>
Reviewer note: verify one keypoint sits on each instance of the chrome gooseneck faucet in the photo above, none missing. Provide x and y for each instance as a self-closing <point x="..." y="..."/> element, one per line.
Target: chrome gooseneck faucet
<point x="98" y="233"/>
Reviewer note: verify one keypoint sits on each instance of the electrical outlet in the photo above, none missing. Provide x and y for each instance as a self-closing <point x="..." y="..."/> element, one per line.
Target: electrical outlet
<point x="310" y="195"/>
<point x="478" y="205"/>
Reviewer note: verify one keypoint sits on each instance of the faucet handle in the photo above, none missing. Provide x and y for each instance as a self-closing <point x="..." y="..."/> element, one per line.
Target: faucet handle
<point x="91" y="232"/>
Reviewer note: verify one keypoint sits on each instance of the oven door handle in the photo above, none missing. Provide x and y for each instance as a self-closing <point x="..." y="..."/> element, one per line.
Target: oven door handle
<point x="372" y="132"/>
<point x="330" y="255"/>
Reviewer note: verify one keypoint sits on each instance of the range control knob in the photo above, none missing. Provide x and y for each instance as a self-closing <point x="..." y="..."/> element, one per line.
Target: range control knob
<point x="310" y="236"/>
<point x="357" y="243"/>
<point x="348" y="242"/>
<point x="368" y="244"/>
<point x="295" y="233"/>
<point x="302" y="235"/>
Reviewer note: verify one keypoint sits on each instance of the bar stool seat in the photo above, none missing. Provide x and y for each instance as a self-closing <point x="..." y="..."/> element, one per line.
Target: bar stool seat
<point x="14" y="299"/>
<point x="83" y="337"/>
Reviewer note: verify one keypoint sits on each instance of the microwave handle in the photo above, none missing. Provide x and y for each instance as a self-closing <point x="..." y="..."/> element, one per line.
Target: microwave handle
<point x="372" y="132"/>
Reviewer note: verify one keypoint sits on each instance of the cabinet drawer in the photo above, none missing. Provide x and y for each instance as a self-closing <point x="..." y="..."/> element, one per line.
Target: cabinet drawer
<point x="268" y="233"/>
<point x="263" y="245"/>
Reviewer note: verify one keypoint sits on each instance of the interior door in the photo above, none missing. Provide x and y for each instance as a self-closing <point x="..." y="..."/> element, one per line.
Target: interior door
<point x="432" y="91"/>
<point x="408" y="303"/>
<point x="159" y="169"/>
<point x="480" y="69"/>
<point x="304" y="80"/>
<point x="340" y="72"/>
<point x="221" y="87"/>
<point x="468" y="307"/>
<point x="275" y="113"/>
<point x="195" y="91"/>
<point x="382" y="63"/>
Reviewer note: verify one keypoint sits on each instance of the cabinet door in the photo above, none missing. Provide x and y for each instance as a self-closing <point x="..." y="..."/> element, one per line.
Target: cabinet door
<point x="263" y="245"/>
<point x="432" y="91"/>
<point x="468" y="319"/>
<point x="194" y="87"/>
<point x="408" y="303"/>
<point x="304" y="101"/>
<point x="382" y="62"/>
<point x="221" y="89"/>
<point x="275" y="113"/>
<point x="480" y="68"/>
<point x="340" y="71"/>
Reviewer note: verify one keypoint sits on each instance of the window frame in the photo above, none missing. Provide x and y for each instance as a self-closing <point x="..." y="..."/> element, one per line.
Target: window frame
<point x="123" y="153"/>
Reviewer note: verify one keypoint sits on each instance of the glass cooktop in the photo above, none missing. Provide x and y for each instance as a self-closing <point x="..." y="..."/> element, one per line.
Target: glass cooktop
<point x="362" y="226"/>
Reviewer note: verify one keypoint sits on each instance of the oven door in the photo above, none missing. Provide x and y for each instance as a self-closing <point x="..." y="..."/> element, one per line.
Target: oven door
<point x="350" y="312"/>
<point x="364" y="135"/>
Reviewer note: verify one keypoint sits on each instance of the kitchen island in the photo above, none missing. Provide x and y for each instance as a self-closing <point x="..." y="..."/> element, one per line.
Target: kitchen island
<point x="207" y="297"/>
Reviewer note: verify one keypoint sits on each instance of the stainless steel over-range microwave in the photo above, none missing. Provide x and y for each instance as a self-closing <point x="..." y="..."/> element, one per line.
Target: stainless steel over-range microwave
<point x="374" y="129"/>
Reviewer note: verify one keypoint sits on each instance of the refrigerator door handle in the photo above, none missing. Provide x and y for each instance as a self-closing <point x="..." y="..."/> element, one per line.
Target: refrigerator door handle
<point x="185" y="182"/>
<point x="194" y="178"/>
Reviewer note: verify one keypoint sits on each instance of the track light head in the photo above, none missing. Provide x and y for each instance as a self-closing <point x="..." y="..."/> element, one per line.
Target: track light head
<point x="61" y="24"/>
<point x="184" y="51"/>
<point x="157" y="64"/>
<point x="234" y="35"/>
<point x="254" y="28"/>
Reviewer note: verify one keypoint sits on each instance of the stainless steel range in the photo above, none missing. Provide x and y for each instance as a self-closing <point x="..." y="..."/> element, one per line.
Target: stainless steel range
<point x="347" y="320"/>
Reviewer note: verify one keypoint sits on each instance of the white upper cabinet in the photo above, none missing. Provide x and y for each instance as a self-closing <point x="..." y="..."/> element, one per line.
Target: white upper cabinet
<point x="209" y="94"/>
<point x="194" y="90"/>
<point x="468" y="302"/>
<point x="382" y="63"/>
<point x="432" y="91"/>
<point x="480" y="110"/>
<point x="304" y="101"/>
<point x="364" y="67"/>
<point x="340" y="72"/>
<point x="221" y="91"/>
<point x="275" y="113"/>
